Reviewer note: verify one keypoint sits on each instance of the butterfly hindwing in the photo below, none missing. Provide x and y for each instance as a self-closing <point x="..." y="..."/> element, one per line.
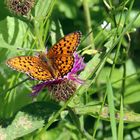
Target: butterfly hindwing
<point x="64" y="64"/>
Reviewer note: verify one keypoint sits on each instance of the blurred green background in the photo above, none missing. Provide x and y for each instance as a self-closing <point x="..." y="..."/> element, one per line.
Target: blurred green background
<point x="106" y="106"/>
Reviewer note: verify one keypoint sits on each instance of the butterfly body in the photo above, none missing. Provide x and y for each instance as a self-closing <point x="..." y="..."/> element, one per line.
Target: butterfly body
<point x="56" y="63"/>
<point x="50" y="62"/>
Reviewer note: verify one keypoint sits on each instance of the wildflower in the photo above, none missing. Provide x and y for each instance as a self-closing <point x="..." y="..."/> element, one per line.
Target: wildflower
<point x="63" y="88"/>
<point x="20" y="7"/>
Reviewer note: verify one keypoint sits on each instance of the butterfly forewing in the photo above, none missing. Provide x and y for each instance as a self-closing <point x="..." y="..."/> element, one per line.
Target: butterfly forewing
<point x="66" y="45"/>
<point x="31" y="65"/>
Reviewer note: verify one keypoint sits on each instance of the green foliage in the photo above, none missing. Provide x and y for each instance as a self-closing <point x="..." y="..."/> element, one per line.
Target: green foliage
<point x="21" y="125"/>
<point x="106" y="105"/>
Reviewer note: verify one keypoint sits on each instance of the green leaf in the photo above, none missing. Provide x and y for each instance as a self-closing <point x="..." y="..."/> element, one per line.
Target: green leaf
<point x="111" y="109"/>
<point x="42" y="8"/>
<point x="23" y="124"/>
<point x="93" y="109"/>
<point x="121" y="122"/>
<point x="13" y="32"/>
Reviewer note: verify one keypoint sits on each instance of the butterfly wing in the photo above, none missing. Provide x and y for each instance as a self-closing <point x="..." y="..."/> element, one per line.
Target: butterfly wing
<point x="62" y="52"/>
<point x="64" y="64"/>
<point x="59" y="60"/>
<point x="66" y="45"/>
<point x="31" y="65"/>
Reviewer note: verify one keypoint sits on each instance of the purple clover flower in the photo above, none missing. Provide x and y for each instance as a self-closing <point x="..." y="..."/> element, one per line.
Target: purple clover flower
<point x="71" y="76"/>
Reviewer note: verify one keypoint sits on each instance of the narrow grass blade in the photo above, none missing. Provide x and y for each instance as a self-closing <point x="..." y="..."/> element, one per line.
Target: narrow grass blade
<point x="111" y="109"/>
<point x="121" y="122"/>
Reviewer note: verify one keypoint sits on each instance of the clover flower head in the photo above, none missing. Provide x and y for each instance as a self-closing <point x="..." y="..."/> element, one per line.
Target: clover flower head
<point x="20" y="7"/>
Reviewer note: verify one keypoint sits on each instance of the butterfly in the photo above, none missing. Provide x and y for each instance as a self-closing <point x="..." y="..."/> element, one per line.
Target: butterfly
<point x="56" y="63"/>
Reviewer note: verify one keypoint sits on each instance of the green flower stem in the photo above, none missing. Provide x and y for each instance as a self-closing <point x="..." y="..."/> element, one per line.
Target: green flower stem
<point x="76" y="122"/>
<point x="15" y="86"/>
<point x="88" y="22"/>
<point x="99" y="117"/>
<point x="57" y="114"/>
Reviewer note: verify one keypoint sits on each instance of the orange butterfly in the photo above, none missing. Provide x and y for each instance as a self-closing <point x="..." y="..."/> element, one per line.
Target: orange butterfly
<point x="52" y="65"/>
